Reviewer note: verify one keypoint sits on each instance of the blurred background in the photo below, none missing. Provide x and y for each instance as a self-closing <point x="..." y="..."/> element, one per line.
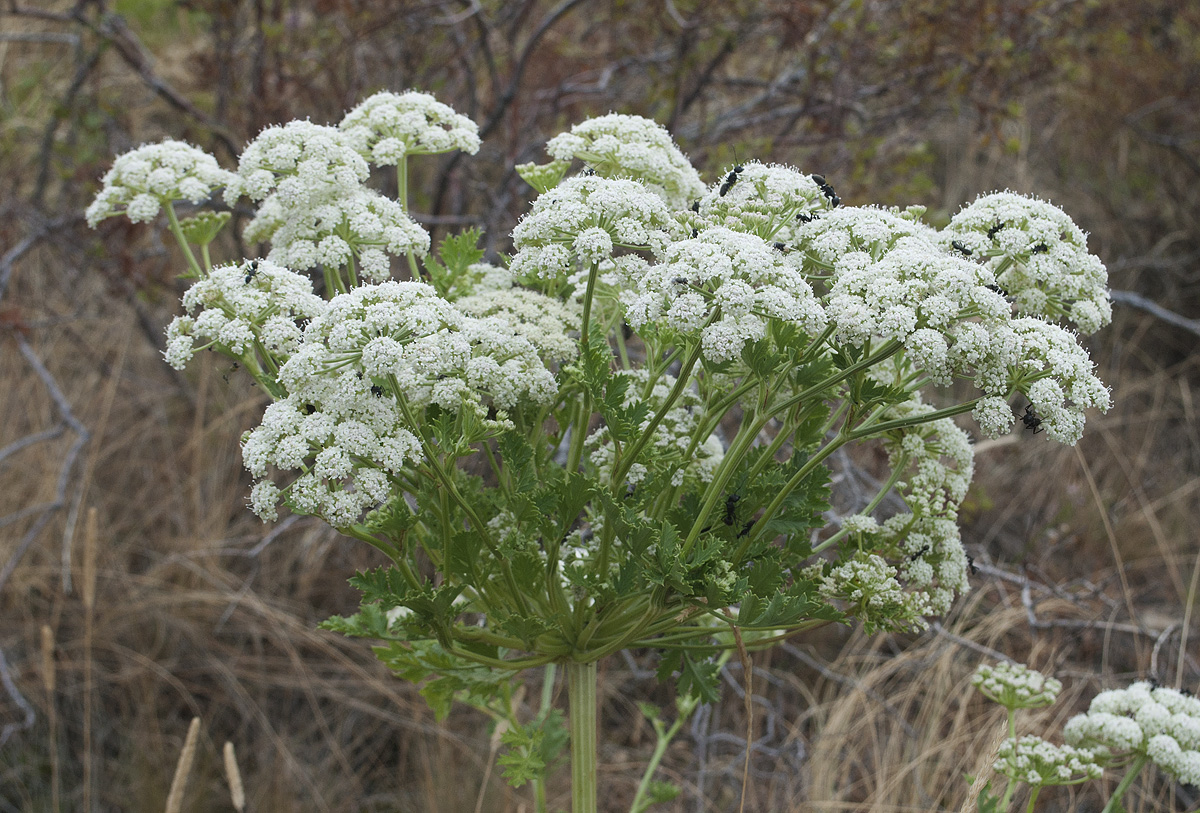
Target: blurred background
<point x="1088" y="558"/>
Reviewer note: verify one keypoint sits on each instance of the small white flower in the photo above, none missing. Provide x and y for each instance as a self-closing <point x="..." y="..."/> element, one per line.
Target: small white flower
<point x="387" y="127"/>
<point x="143" y="180"/>
<point x="620" y="146"/>
<point x="1039" y="256"/>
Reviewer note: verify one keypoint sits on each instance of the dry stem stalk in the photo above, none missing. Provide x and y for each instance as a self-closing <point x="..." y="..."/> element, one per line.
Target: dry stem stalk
<point x="984" y="772"/>
<point x="183" y="768"/>
<point x="89" y="606"/>
<point x="234" y="776"/>
<point x="49" y="682"/>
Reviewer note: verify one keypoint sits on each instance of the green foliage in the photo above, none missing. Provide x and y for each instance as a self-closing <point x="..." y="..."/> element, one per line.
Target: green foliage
<point x="533" y="748"/>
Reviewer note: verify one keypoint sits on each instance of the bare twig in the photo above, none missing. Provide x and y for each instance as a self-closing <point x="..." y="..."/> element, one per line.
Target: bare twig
<point x="1170" y="317"/>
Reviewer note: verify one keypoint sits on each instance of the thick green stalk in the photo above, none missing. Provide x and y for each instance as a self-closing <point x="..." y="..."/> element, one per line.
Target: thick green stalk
<point x="581" y="695"/>
<point x="177" y="230"/>
<point x="1114" y="804"/>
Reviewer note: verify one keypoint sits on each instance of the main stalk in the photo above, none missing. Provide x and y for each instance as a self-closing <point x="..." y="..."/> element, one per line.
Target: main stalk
<point x="581" y="695"/>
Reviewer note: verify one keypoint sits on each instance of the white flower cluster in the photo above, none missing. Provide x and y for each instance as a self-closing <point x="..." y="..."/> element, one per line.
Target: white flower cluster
<point x="386" y="127"/>
<point x="937" y="464"/>
<point x="545" y="322"/>
<point x="360" y="225"/>
<point x="847" y="229"/>
<point x="1162" y="723"/>
<point x="343" y="437"/>
<point x="672" y="439"/>
<point x="1063" y="381"/>
<point x="1033" y="760"/>
<point x="914" y="292"/>
<point x="764" y="199"/>
<point x="142" y="180"/>
<point x="869" y="585"/>
<point x="300" y="162"/>
<point x="721" y="287"/>
<point x="435" y="353"/>
<point x="315" y="209"/>
<point x="1016" y="686"/>
<point x="631" y="146"/>
<point x="236" y="306"/>
<point x="1039" y="257"/>
<point x="589" y="218"/>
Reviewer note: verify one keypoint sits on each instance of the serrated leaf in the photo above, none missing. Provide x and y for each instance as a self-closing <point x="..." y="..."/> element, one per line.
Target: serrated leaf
<point x="462" y="553"/>
<point x="458" y="251"/>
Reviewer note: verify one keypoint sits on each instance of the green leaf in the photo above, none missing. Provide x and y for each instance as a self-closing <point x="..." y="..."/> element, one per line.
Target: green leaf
<point x="462" y="554"/>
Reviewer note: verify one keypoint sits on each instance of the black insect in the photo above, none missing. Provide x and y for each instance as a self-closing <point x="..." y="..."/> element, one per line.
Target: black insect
<point x="1154" y="684"/>
<point x="780" y="246"/>
<point x="992" y="231"/>
<point x="377" y="390"/>
<point x="1185" y="692"/>
<point x="731" y="508"/>
<point x="959" y="247"/>
<point x="629" y="491"/>
<point x="805" y="218"/>
<point x="696" y="206"/>
<point x="1032" y="420"/>
<point x="588" y="171"/>
<point x="695" y="233"/>
<point x="924" y="550"/>
<point x="308" y="409"/>
<point x="1040" y="248"/>
<point x="997" y="289"/>
<point x="827" y="190"/>
<point x="971" y="565"/>
<point x="730" y="180"/>
<point x="745" y="529"/>
<point x="302" y="324"/>
<point x="681" y="280"/>
<point x="253" y="270"/>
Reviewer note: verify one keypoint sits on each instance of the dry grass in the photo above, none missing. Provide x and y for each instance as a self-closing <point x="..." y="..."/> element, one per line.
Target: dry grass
<point x="165" y="600"/>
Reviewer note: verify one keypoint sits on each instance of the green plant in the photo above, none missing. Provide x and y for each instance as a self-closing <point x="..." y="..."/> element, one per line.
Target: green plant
<point x="620" y="437"/>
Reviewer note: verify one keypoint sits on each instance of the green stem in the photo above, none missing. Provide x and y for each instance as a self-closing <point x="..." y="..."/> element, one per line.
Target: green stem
<point x="177" y="230"/>
<point x="1033" y="798"/>
<point x="581" y="697"/>
<point x="1114" y="804"/>
<point x="630" y="456"/>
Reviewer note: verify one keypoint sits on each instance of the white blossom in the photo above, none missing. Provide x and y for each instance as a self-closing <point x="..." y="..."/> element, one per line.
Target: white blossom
<point x="359" y="224"/>
<point x="621" y="146"/>
<point x="1039" y="257"/>
<point x="386" y="127"/>
<point x="301" y="163"/>
<point x="629" y="214"/>
<point x="234" y="305"/>
<point x="721" y="287"/>
<point x="1016" y="686"/>
<point x="763" y="199"/>
<point x="141" y="181"/>
<point x="1039" y="763"/>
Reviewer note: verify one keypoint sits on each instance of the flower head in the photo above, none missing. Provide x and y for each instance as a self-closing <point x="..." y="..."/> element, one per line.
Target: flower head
<point x="360" y="225"/>
<point x="1039" y="763"/>
<point x="1039" y="257"/>
<point x="236" y="306"/>
<point x="142" y="180"/>
<point x="721" y="287"/>
<point x="1016" y="686"/>
<point x="620" y="146"/>
<point x="386" y="127"/>
<point x="588" y="218"/>
<point x="301" y="162"/>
